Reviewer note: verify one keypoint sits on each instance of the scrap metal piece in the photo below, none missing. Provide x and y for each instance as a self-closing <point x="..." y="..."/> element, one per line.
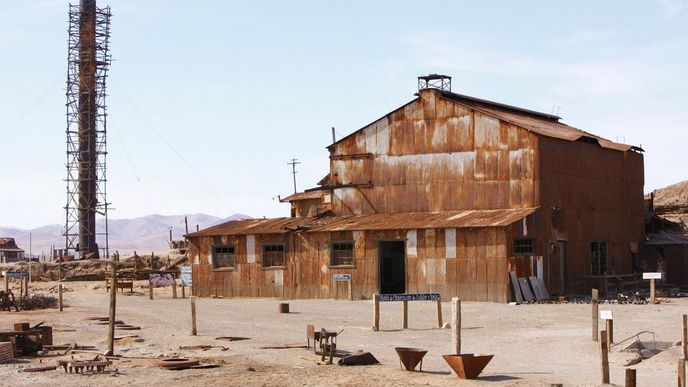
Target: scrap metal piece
<point x="410" y="357"/>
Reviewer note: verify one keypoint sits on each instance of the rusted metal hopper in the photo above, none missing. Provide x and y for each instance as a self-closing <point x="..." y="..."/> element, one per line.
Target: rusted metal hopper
<point x="410" y="357"/>
<point x="468" y="365"/>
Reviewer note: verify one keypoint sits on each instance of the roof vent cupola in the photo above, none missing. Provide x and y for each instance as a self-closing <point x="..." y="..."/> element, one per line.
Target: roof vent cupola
<point x="434" y="81"/>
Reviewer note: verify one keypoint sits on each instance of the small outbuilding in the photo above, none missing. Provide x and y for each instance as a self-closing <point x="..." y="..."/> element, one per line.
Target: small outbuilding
<point x="9" y="251"/>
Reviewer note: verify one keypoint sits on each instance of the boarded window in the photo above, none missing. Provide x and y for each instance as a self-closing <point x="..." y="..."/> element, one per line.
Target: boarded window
<point x="598" y="258"/>
<point x="273" y="255"/>
<point x="524" y="246"/>
<point x="342" y="254"/>
<point x="223" y="256"/>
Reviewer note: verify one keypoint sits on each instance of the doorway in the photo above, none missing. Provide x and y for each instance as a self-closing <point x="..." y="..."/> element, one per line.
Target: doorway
<point x="392" y="261"/>
<point x="558" y="269"/>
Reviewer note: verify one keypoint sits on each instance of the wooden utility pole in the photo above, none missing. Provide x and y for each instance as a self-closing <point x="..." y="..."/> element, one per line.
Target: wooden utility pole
<point x="376" y="312"/>
<point x="193" y="315"/>
<point x="113" y="307"/>
<point x="604" y="357"/>
<point x="293" y="163"/>
<point x="439" y="313"/>
<point x="595" y="313"/>
<point x="456" y="325"/>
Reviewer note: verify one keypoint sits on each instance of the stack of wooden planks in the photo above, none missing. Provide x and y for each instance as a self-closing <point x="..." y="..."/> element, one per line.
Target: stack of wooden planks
<point x="6" y="352"/>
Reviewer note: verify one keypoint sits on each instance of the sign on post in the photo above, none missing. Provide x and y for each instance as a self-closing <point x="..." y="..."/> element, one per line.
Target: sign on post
<point x="409" y="297"/>
<point x="186" y="275"/>
<point x="606" y="315"/>
<point x="16" y="274"/>
<point x="651" y="276"/>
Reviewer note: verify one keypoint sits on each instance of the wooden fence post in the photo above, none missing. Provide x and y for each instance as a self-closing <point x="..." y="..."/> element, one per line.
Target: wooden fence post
<point x="174" y="286"/>
<point x="610" y="331"/>
<point x="456" y="325"/>
<point x="7" y="281"/>
<point x="405" y="314"/>
<point x="652" y="291"/>
<point x="113" y="307"/>
<point x="684" y="335"/>
<point x="351" y="293"/>
<point x="376" y="312"/>
<point x="604" y="357"/>
<point x="630" y="377"/>
<point x="183" y="290"/>
<point x="439" y="313"/>
<point x="595" y="313"/>
<point x="193" y="315"/>
<point x="682" y="372"/>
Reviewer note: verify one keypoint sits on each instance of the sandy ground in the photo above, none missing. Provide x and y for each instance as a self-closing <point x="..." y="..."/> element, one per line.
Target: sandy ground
<point x="534" y="345"/>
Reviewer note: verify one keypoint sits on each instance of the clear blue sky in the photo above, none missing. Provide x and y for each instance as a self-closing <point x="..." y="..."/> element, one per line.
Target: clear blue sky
<point x="238" y="88"/>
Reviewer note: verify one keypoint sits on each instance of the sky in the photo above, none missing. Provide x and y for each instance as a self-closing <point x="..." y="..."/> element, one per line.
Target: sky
<point x="209" y="100"/>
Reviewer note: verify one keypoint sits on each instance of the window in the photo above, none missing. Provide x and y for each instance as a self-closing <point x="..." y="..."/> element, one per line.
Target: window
<point x="273" y="255"/>
<point x="342" y="254"/>
<point x="523" y="246"/>
<point x="598" y="258"/>
<point x="223" y="256"/>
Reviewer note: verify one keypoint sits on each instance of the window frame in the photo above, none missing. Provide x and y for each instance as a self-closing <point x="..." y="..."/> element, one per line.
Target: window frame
<point x="272" y="266"/>
<point x="233" y="253"/>
<point x="353" y="254"/>
<point x="596" y="262"/>
<point x="524" y="253"/>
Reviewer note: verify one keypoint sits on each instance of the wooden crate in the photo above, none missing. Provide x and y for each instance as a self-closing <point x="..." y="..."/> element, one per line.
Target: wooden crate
<point x="6" y="352"/>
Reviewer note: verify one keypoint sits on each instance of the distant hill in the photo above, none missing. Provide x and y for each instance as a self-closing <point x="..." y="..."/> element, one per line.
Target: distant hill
<point x="144" y="234"/>
<point x="671" y="202"/>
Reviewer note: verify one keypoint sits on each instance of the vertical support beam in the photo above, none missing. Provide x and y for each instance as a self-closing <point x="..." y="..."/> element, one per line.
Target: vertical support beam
<point x="183" y="290"/>
<point x="684" y="335"/>
<point x="652" y="291"/>
<point x="630" y="377"/>
<point x="604" y="357"/>
<point x="439" y="313"/>
<point x="193" y="315"/>
<point x="405" y="314"/>
<point x="174" y="286"/>
<point x="456" y="325"/>
<point x="113" y="307"/>
<point x="376" y="312"/>
<point x="610" y="331"/>
<point x="59" y="283"/>
<point x="595" y="313"/>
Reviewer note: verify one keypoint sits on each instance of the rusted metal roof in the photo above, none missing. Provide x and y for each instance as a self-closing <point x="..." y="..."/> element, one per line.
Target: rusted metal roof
<point x="421" y="220"/>
<point x="8" y="245"/>
<point x="540" y="123"/>
<point x="395" y="221"/>
<point x="666" y="238"/>
<point x="302" y="196"/>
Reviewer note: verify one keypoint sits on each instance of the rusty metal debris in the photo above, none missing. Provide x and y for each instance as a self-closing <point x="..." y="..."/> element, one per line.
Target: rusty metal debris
<point x="232" y="338"/>
<point x="78" y="366"/>
<point x="358" y="358"/>
<point x="202" y="347"/>
<point x="175" y="363"/>
<point x="40" y="369"/>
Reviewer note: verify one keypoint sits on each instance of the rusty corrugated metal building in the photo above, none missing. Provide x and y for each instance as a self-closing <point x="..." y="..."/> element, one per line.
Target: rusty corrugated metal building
<point x="9" y="251"/>
<point x="447" y="193"/>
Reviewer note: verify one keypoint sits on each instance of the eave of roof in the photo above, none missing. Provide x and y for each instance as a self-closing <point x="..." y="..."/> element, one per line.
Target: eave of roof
<point x="395" y="221"/>
<point x="306" y="195"/>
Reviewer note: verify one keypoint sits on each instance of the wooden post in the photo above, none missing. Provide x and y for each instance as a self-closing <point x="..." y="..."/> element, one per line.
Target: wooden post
<point x="610" y="331"/>
<point x="456" y="325"/>
<point x="595" y="313"/>
<point x="376" y="312"/>
<point x="7" y="282"/>
<point x="113" y="307"/>
<point x="351" y="294"/>
<point x="174" y="286"/>
<point x="682" y="372"/>
<point x="405" y="314"/>
<point x="439" y="313"/>
<point x="59" y="284"/>
<point x="21" y="286"/>
<point x="183" y="290"/>
<point x="604" y="357"/>
<point x="630" y="377"/>
<point x="684" y="334"/>
<point x="652" y="291"/>
<point x="26" y="287"/>
<point x="193" y="316"/>
<point x="150" y="289"/>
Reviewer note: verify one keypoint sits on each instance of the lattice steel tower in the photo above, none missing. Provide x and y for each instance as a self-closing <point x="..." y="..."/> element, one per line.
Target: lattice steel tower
<point x="88" y="62"/>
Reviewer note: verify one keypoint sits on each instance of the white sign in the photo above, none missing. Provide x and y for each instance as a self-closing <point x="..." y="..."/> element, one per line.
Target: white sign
<point x="652" y="275"/>
<point x="606" y="315"/>
<point x="186" y="275"/>
<point x="341" y="277"/>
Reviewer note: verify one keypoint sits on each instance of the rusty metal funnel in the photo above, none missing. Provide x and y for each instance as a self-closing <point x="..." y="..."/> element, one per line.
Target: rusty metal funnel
<point x="410" y="357"/>
<point x="467" y="365"/>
